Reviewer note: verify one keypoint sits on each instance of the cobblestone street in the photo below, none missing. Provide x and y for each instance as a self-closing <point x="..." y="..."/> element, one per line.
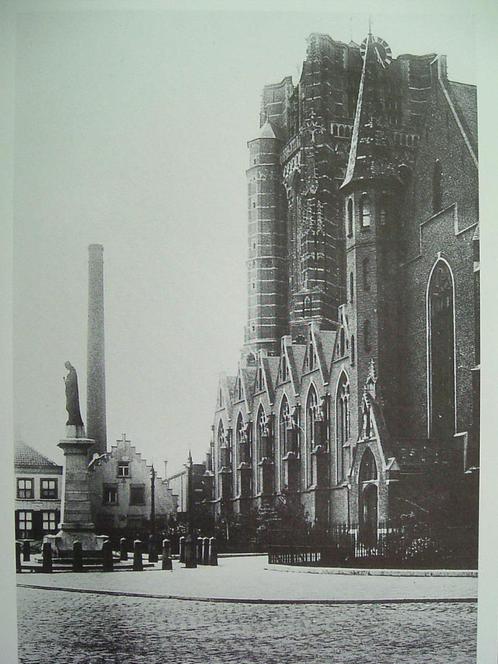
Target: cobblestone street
<point x="65" y="627"/>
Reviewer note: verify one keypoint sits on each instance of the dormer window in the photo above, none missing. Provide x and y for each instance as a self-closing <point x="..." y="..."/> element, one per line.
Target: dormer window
<point x="365" y="212"/>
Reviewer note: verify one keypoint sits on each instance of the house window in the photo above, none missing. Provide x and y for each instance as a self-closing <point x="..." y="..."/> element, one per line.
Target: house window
<point x="137" y="495"/>
<point x="49" y="522"/>
<point x="349" y="228"/>
<point x="25" y="524"/>
<point x="123" y="469"/>
<point x="25" y="488"/>
<point x="365" y="212"/>
<point x="437" y="176"/>
<point x="48" y="489"/>
<point x="110" y="495"/>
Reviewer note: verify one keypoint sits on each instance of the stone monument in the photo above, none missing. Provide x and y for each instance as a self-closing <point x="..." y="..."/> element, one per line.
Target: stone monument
<point x="76" y="522"/>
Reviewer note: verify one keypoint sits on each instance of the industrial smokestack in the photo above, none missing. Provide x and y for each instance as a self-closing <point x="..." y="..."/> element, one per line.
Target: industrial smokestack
<point x="95" y="404"/>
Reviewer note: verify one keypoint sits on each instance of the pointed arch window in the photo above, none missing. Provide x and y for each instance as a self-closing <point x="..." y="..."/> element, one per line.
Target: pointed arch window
<point x="437" y="176"/>
<point x="283" y="426"/>
<point x="441" y="352"/>
<point x="260" y="430"/>
<point x="368" y="467"/>
<point x="311" y="431"/>
<point x="365" y="211"/>
<point x="350" y="217"/>
<point x="342" y="427"/>
<point x="366" y="273"/>
<point x="366" y="336"/>
<point x="220" y="439"/>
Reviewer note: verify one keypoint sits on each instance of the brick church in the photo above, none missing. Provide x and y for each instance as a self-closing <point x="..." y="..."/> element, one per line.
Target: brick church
<point x="357" y="392"/>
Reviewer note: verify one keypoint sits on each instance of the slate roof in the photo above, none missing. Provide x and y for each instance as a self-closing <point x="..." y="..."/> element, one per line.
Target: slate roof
<point x="464" y="98"/>
<point x="26" y="457"/>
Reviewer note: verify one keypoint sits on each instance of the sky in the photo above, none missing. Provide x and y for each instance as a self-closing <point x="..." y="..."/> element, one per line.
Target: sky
<point x="130" y="131"/>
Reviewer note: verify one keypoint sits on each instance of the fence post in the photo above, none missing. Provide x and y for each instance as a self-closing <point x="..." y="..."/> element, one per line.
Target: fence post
<point x="181" y="549"/>
<point x="137" y="556"/>
<point x="123" y="549"/>
<point x="107" y="562"/>
<point x="26" y="551"/>
<point x="167" y="563"/>
<point x="18" y="557"/>
<point x="46" y="557"/>
<point x="213" y="554"/>
<point x="77" y="556"/>
<point x="153" y="557"/>
<point x="199" y="550"/>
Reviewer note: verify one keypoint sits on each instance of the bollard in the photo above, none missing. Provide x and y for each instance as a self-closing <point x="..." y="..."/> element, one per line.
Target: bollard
<point x="213" y="554"/>
<point x="153" y="556"/>
<point x="190" y="551"/>
<point x="205" y="550"/>
<point x="26" y="552"/>
<point x="123" y="549"/>
<point x="167" y="563"/>
<point x="198" y="550"/>
<point x="46" y="557"/>
<point x="137" y="556"/>
<point x="181" y="549"/>
<point x="77" y="556"/>
<point x="107" y="561"/>
<point x="18" y="557"/>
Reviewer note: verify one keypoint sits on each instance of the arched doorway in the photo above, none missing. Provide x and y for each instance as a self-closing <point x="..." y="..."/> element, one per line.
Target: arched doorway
<point x="368" y="499"/>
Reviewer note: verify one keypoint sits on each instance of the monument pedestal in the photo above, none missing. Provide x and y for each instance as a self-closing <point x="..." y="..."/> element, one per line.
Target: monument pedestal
<point x="76" y="524"/>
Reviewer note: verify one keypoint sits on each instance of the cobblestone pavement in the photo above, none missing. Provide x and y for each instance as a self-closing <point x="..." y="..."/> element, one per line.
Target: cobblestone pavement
<point x="74" y="628"/>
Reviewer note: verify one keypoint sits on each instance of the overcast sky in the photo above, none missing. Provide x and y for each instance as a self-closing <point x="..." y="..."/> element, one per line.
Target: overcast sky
<point x="131" y="131"/>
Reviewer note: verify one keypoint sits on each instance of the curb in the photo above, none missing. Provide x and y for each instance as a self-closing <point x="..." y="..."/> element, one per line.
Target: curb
<point x="230" y="600"/>
<point x="449" y="573"/>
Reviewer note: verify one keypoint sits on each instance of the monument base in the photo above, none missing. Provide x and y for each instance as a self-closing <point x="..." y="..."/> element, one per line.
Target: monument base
<point x="62" y="542"/>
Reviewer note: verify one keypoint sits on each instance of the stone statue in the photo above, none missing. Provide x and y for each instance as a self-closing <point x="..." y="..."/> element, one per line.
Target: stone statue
<point x="72" y="397"/>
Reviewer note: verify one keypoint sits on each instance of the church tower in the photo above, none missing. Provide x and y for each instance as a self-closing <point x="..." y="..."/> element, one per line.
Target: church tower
<point x="380" y="160"/>
<point x="267" y="263"/>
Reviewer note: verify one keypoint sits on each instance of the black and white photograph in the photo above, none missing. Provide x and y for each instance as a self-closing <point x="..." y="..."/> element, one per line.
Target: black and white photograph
<point x="246" y="335"/>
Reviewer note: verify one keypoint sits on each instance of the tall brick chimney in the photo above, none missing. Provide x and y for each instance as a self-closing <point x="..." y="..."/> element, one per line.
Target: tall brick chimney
<point x="95" y="405"/>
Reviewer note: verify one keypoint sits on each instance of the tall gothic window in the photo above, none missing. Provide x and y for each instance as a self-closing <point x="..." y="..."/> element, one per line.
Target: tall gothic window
<point x="441" y="352"/>
<point x="237" y="455"/>
<point x="260" y="427"/>
<point x="365" y="212"/>
<point x="366" y="274"/>
<point x="221" y="443"/>
<point x="342" y="427"/>
<point x="350" y="217"/>
<point x="311" y="417"/>
<point x="437" y="176"/>
<point x="283" y="435"/>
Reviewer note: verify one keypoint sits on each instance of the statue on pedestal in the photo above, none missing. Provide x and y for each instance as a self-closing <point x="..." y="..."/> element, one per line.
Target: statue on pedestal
<point x="72" y="397"/>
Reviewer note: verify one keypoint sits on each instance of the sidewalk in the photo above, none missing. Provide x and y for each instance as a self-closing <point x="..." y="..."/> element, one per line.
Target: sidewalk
<point x="250" y="579"/>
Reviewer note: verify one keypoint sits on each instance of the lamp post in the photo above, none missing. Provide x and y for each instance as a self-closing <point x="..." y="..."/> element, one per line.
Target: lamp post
<point x="152" y="500"/>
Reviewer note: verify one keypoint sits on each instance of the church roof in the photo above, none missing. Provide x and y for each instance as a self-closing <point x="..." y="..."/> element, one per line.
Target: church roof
<point x="267" y="131"/>
<point x="26" y="457"/>
<point x="464" y="98"/>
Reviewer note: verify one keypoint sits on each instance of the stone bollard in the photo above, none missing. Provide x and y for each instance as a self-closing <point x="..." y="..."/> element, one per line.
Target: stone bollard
<point x="181" y="549"/>
<point x="137" y="556"/>
<point x="167" y="563"/>
<point x="198" y="550"/>
<point x="205" y="550"/>
<point x="190" y="551"/>
<point x="153" y="557"/>
<point x="77" y="556"/>
<point x="213" y="554"/>
<point x="18" y="557"/>
<point x="123" y="549"/>
<point x="107" y="561"/>
<point x="46" y="557"/>
<point x="26" y="552"/>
